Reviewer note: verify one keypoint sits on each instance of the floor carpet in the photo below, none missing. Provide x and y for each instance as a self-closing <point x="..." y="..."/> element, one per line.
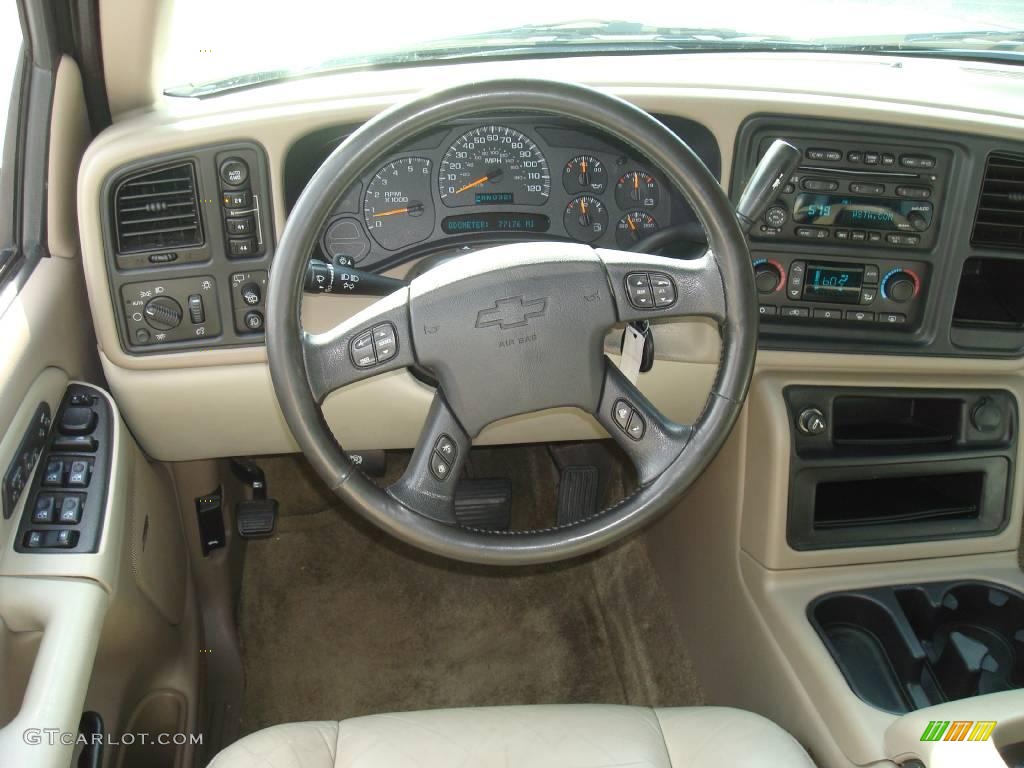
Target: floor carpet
<point x="338" y="620"/>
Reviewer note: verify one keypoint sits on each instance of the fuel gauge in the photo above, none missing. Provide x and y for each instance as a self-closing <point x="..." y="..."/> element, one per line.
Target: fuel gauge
<point x="585" y="173"/>
<point x="634" y="227"/>
<point x="586" y="219"/>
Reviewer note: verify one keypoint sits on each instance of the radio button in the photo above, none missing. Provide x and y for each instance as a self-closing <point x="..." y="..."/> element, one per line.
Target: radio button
<point x="872" y="158"/>
<point x="858" y="234"/>
<point x="854" y="157"/>
<point x="874" y="237"/>
<point x="831" y="155"/>
<point x="828" y="314"/>
<point x="820" y="185"/>
<point x="860" y="316"/>
<point x="789" y="189"/>
<point x="775" y="216"/>
<point x="870" y="274"/>
<point x="915" y="193"/>
<point x="888" y="159"/>
<point x="917" y="161"/>
<point x="860" y="188"/>
<point x="842" y="234"/>
<point x="795" y="312"/>
<point x="867" y="295"/>
<point x="812" y="233"/>
<point x="896" y="239"/>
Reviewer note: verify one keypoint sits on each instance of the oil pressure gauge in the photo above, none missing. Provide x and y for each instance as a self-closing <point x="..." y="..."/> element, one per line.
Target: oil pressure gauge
<point x="584" y="173"/>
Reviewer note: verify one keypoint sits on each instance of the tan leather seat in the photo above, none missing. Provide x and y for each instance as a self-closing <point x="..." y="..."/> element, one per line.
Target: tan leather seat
<point x="569" y="736"/>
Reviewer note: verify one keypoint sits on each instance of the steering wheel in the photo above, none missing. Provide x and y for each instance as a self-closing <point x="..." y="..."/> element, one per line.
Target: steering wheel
<point x="514" y="329"/>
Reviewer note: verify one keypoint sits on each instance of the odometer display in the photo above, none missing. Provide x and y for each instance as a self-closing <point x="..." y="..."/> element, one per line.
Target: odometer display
<point x="488" y="221"/>
<point x="494" y="162"/>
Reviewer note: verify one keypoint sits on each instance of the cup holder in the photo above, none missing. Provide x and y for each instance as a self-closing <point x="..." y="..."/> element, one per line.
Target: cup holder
<point x="908" y="647"/>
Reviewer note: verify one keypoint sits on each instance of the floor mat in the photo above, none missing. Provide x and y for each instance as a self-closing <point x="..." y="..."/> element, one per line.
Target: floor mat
<point x="338" y="620"/>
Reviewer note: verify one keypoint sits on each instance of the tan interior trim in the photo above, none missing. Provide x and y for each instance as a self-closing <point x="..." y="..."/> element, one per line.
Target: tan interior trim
<point x="69" y="136"/>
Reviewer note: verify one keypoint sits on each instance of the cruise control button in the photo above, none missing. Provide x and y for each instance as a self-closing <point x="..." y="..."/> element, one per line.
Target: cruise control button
<point x="621" y="412"/>
<point x="361" y="348"/>
<point x="439" y="468"/>
<point x="70" y="511"/>
<point x="445" y="446"/>
<point x="43" y="512"/>
<point x="636" y="427"/>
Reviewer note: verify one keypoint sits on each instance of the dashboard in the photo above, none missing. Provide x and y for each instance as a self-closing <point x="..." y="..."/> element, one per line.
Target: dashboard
<point x="508" y="177"/>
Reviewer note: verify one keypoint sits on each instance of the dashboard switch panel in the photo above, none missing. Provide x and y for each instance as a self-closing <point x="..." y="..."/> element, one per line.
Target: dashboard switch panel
<point x="154" y="311"/>
<point x="248" y="300"/>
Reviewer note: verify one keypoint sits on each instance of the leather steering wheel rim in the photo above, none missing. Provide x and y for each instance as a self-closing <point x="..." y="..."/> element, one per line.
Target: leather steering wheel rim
<point x="735" y="311"/>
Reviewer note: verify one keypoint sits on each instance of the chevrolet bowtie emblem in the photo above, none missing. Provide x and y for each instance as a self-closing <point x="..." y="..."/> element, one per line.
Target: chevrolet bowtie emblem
<point x="512" y="312"/>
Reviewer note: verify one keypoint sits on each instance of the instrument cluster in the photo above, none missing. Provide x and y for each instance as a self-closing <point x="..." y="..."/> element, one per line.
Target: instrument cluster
<point x="504" y="178"/>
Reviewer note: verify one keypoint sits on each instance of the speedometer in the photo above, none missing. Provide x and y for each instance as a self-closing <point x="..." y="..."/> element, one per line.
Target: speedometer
<point x="494" y="165"/>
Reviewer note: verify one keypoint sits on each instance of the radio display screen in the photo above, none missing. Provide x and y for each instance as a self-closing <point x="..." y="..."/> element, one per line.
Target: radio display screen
<point x="864" y="212"/>
<point x="833" y="283"/>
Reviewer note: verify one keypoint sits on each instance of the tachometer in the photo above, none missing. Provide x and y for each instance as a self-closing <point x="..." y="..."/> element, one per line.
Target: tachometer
<point x="398" y="207"/>
<point x="494" y="165"/>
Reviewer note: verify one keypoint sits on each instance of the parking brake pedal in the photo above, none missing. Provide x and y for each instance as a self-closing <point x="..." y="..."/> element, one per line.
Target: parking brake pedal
<point x="577" y="494"/>
<point x="485" y="503"/>
<point x="257" y="516"/>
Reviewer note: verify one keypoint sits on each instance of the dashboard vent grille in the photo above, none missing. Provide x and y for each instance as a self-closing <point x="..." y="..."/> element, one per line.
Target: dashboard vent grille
<point x="158" y="209"/>
<point x="999" y="221"/>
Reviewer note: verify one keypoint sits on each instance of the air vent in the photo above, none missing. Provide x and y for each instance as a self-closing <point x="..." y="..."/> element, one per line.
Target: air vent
<point x="999" y="221"/>
<point x="158" y="209"/>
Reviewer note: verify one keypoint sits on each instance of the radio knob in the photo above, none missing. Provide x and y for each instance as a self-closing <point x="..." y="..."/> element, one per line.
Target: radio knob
<point x="917" y="221"/>
<point x="767" y="276"/>
<point x="775" y="216"/>
<point x="900" y="287"/>
<point x="163" y="313"/>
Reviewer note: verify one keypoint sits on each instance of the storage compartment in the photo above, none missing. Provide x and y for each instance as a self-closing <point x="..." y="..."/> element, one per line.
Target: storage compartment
<point x="890" y="500"/>
<point x="858" y="505"/>
<point x="888" y="421"/>
<point x="989" y="294"/>
<point x="908" y="647"/>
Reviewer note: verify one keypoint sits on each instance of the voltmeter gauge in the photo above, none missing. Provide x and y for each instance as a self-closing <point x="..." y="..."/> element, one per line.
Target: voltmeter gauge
<point x="634" y="227"/>
<point x="585" y="173"/>
<point x="586" y="219"/>
<point x="636" y="189"/>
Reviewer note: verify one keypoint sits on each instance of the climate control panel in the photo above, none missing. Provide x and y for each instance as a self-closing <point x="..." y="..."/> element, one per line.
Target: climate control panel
<point x="832" y="290"/>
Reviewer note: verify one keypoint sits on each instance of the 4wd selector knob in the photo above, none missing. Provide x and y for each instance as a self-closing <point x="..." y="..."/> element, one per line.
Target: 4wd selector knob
<point x="768" y="277"/>
<point x="900" y="286"/>
<point x="163" y="313"/>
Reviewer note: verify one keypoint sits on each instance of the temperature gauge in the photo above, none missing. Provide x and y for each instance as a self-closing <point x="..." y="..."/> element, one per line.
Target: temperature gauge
<point x="586" y="219"/>
<point x="585" y="173"/>
<point x="634" y="227"/>
<point x="636" y="189"/>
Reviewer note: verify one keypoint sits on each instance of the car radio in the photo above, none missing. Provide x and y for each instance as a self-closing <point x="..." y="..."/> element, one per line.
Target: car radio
<point x="863" y="194"/>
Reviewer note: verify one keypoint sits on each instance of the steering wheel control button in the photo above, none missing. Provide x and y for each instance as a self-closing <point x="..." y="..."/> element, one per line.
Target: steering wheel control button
<point x="234" y="171"/>
<point x="637" y="426"/>
<point x="621" y="412"/>
<point x="439" y="468"/>
<point x="638" y="290"/>
<point x="361" y="348"/>
<point x="445" y="447"/>
<point x="663" y="289"/>
<point x="385" y="343"/>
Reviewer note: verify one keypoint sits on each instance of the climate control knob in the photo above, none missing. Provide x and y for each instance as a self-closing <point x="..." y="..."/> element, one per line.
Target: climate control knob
<point x="163" y="313"/>
<point x="900" y="286"/>
<point x="768" y="276"/>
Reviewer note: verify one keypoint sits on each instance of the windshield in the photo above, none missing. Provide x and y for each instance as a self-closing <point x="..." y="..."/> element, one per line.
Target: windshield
<point x="216" y="46"/>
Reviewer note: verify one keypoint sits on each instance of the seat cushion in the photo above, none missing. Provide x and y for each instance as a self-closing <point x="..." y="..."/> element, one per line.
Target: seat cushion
<point x="558" y="736"/>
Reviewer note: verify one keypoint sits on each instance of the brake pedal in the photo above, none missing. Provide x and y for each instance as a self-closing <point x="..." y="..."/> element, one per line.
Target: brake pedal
<point x="485" y="503"/>
<point x="577" y="494"/>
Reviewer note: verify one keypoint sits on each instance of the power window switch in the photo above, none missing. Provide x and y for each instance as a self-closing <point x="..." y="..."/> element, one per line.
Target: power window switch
<point x="43" y="512"/>
<point x="78" y="475"/>
<point x="54" y="473"/>
<point x="65" y="539"/>
<point x="70" y="511"/>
